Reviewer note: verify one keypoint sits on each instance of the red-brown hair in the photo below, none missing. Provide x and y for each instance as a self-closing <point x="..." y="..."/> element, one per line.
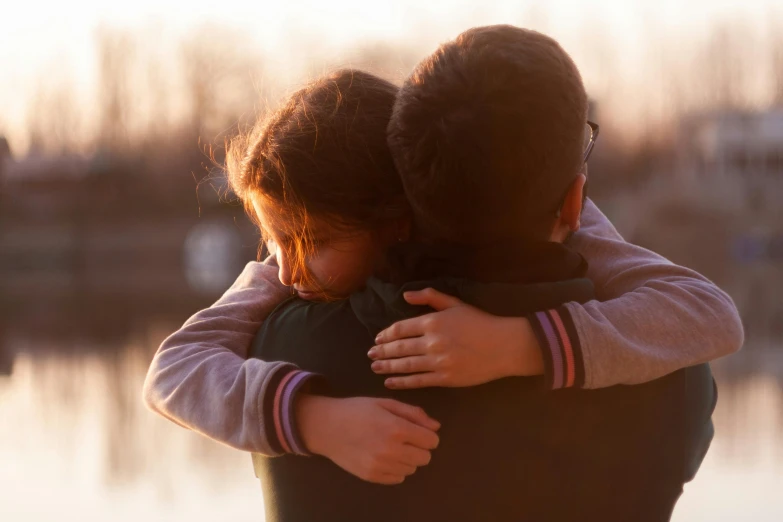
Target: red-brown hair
<point x="323" y="155"/>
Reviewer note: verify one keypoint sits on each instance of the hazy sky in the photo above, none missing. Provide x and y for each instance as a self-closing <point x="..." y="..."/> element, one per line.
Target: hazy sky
<point x="39" y="41"/>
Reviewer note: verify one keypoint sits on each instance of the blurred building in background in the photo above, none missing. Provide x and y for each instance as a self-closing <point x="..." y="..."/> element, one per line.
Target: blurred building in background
<point x="97" y="245"/>
<point x="739" y="154"/>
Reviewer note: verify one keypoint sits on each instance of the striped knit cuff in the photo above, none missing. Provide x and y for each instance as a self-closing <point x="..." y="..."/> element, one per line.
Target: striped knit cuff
<point x="278" y="409"/>
<point x="559" y="341"/>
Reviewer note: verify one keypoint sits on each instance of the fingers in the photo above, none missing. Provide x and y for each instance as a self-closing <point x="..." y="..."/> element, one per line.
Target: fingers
<point x="432" y="298"/>
<point x="387" y="479"/>
<point x="418" y="326"/>
<point x="414" y="414"/>
<point x="415" y="426"/>
<point x="396" y="467"/>
<point x="418" y="380"/>
<point x="405" y="463"/>
<point x="409" y="460"/>
<point x="414" y="327"/>
<point x="400" y="468"/>
<point x="414" y="456"/>
<point x="401" y="348"/>
<point x="422" y="438"/>
<point x="412" y="439"/>
<point x="418" y="363"/>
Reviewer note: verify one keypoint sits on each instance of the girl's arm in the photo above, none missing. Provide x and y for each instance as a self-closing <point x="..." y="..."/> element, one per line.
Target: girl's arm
<point x="651" y="317"/>
<point x="201" y="378"/>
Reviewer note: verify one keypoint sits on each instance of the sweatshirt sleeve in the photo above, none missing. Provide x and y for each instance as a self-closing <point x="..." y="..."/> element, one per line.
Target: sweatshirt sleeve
<point x="651" y="317"/>
<point x="201" y="379"/>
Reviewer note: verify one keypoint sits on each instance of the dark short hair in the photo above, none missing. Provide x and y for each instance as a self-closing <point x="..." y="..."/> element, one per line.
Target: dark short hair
<point x="487" y="135"/>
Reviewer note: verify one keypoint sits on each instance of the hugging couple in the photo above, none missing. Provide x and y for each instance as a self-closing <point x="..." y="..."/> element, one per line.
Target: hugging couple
<point x="446" y="327"/>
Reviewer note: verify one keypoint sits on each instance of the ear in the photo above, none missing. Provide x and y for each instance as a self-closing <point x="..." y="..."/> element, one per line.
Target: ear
<point x="571" y="211"/>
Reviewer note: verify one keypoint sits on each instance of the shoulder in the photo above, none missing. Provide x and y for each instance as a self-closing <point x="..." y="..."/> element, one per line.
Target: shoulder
<point x="324" y="338"/>
<point x="298" y="322"/>
<point x="521" y="299"/>
<point x="296" y="312"/>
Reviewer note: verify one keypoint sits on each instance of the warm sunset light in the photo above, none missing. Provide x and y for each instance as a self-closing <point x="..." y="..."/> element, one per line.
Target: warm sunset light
<point x="606" y="325"/>
<point x="639" y="59"/>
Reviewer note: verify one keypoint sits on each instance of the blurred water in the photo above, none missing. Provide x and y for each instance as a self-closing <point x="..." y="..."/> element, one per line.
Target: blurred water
<point x="77" y="443"/>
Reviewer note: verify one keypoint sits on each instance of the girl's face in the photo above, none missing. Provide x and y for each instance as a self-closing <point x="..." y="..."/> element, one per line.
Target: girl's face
<point x="339" y="264"/>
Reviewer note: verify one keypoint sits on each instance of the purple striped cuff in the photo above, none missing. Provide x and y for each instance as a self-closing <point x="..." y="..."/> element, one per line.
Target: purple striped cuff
<point x="559" y="341"/>
<point x="279" y="409"/>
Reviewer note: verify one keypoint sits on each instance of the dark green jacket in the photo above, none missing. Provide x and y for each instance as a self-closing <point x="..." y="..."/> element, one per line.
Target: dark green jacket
<point x="510" y="450"/>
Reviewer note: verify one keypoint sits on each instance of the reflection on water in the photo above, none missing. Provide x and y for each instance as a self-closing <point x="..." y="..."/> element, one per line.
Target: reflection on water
<point x="75" y="438"/>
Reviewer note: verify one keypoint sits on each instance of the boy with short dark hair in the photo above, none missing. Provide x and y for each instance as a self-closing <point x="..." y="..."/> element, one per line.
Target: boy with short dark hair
<point x="497" y="118"/>
<point x="508" y="451"/>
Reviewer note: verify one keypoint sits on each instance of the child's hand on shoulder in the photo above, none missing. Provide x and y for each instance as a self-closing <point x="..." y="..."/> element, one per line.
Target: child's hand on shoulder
<point x="377" y="440"/>
<point x="457" y="345"/>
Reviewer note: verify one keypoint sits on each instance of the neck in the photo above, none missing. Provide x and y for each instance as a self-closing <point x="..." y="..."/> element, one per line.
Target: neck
<point x="511" y="262"/>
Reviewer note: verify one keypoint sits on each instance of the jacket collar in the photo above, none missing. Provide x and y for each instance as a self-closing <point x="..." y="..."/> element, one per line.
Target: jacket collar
<point x="518" y="262"/>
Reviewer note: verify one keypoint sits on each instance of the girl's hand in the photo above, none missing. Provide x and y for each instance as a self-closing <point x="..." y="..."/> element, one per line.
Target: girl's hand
<point x="458" y="345"/>
<point x="378" y="440"/>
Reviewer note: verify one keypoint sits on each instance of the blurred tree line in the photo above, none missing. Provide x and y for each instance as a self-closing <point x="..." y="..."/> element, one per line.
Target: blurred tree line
<point x="166" y="105"/>
<point x="160" y="113"/>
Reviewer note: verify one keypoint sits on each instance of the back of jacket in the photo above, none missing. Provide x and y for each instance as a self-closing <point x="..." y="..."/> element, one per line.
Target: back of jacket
<point x="510" y="450"/>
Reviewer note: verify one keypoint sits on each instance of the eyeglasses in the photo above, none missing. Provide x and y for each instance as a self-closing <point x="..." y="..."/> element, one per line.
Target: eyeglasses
<point x="591" y="134"/>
